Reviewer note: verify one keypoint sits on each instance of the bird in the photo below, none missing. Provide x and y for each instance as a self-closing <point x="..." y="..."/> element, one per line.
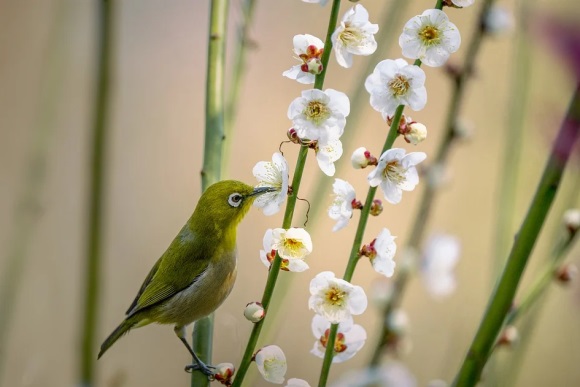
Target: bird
<point x="197" y="272"/>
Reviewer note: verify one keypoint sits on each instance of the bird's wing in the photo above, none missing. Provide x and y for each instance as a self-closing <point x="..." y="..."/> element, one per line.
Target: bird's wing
<point x="177" y="269"/>
<point x="144" y="285"/>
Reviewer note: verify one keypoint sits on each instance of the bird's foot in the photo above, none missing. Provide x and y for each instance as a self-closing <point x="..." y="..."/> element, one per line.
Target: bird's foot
<point x="207" y="370"/>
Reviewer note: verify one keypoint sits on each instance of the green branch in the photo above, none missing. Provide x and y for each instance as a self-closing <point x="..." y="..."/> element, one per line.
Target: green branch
<point x="502" y="298"/>
<point x="243" y="44"/>
<point x="96" y="200"/>
<point x="429" y="194"/>
<point x="202" y="336"/>
<point x="289" y="213"/>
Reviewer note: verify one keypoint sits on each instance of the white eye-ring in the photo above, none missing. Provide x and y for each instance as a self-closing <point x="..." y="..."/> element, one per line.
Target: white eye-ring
<point x="235" y="199"/>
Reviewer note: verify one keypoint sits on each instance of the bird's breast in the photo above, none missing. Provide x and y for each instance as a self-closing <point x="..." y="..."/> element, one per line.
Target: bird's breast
<point x="205" y="295"/>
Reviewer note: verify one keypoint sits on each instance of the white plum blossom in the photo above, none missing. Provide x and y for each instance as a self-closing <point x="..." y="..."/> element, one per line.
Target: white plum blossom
<point x="440" y="256"/>
<point x="459" y="3"/>
<point x="335" y="299"/>
<point x="319" y="115"/>
<point x="430" y="37"/>
<point x="383" y="250"/>
<point x="271" y="363"/>
<point x="354" y="35"/>
<point x="293" y="245"/>
<point x="396" y="173"/>
<point x="327" y="154"/>
<point x="390" y="374"/>
<point x="295" y="382"/>
<point x="498" y="20"/>
<point x="321" y="2"/>
<point x="308" y="50"/>
<point x="272" y="174"/>
<point x="268" y="254"/>
<point x="341" y="208"/>
<point x="394" y="83"/>
<point x="350" y="338"/>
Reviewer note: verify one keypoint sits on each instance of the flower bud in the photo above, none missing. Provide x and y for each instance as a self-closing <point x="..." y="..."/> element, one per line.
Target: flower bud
<point x="312" y="66"/>
<point x="361" y="158"/>
<point x="358" y="158"/>
<point x="293" y="136"/>
<point x="224" y="373"/>
<point x="416" y="133"/>
<point x="508" y="337"/>
<point x="398" y="322"/>
<point x="571" y="220"/>
<point x="254" y="312"/>
<point x="356" y="204"/>
<point x="463" y="130"/>
<point x="376" y="207"/>
<point x="566" y="273"/>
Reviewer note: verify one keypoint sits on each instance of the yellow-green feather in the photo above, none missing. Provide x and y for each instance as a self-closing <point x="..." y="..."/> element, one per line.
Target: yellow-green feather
<point x="208" y="235"/>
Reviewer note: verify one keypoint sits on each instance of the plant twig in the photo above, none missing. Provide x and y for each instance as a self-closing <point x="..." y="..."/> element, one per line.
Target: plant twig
<point x="289" y="213"/>
<point x="202" y="336"/>
<point x="503" y="295"/>
<point x="243" y="44"/>
<point x="96" y="189"/>
<point x="430" y="191"/>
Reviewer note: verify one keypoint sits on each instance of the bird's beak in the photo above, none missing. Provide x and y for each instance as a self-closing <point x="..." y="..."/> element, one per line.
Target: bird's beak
<point x="262" y="190"/>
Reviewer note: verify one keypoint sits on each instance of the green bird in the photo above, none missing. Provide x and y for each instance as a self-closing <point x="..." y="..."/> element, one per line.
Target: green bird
<point x="197" y="271"/>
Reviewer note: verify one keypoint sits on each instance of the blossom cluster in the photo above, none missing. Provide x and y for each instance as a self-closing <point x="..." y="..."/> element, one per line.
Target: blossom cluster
<point x="318" y="121"/>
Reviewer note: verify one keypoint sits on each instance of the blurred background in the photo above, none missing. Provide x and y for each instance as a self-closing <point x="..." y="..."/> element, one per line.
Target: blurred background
<point x="153" y="159"/>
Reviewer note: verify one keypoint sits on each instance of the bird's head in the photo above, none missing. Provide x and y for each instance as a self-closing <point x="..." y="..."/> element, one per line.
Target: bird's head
<point x="225" y="203"/>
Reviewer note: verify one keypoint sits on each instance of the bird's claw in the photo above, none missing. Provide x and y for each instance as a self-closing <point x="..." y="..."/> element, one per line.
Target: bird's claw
<point x="204" y="369"/>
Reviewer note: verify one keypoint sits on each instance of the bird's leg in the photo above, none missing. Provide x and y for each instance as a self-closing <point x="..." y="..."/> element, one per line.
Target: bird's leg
<point x="200" y="366"/>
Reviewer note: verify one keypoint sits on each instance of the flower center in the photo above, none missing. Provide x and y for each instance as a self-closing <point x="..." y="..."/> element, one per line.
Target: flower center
<point x="395" y="172"/>
<point x="316" y="112"/>
<point x="335" y="296"/>
<point x="350" y="36"/>
<point x="339" y="345"/>
<point x="293" y="246"/>
<point x="429" y="35"/>
<point x="399" y="85"/>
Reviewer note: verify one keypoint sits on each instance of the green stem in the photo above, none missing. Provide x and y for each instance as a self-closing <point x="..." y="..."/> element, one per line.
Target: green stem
<point x="289" y="213"/>
<point x="92" y="276"/>
<point x="539" y="287"/>
<point x="511" y="366"/>
<point x="521" y="66"/>
<point x="239" y="70"/>
<point x="502" y="298"/>
<point x="202" y="336"/>
<point x="319" y="81"/>
<point x="274" y="271"/>
<point x="429" y="194"/>
<point x="356" y="246"/>
<point x="29" y="205"/>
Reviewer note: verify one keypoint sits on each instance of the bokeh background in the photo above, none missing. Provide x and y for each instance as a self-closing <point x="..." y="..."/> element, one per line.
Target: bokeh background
<point x="154" y="156"/>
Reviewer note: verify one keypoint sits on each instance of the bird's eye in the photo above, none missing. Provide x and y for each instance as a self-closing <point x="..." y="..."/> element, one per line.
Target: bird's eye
<point x="235" y="199"/>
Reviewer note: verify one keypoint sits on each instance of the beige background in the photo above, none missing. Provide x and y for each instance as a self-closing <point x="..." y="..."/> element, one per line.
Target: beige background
<point x="154" y="159"/>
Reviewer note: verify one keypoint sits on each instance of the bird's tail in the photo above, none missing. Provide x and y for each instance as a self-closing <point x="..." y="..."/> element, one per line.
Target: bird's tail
<point x="123" y="328"/>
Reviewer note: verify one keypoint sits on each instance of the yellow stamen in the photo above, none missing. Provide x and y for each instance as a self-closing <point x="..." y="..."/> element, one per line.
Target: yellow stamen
<point x="316" y="112"/>
<point x="399" y="85"/>
<point x="430" y="35"/>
